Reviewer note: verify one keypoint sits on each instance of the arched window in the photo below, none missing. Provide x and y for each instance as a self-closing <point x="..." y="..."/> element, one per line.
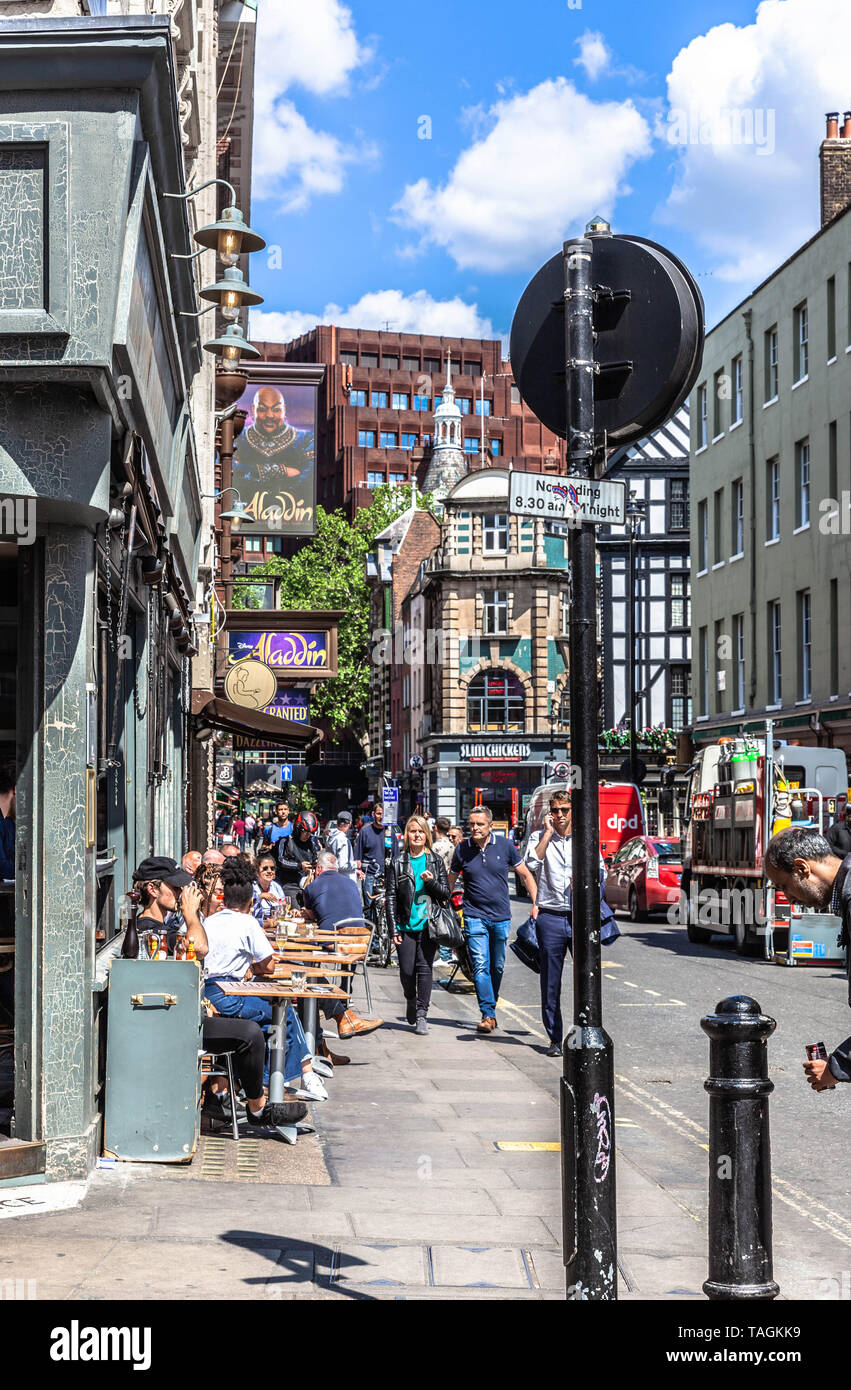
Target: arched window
<point x="496" y="702"/>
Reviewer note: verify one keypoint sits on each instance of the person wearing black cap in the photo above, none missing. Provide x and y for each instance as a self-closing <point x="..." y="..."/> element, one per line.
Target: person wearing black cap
<point x="166" y="890"/>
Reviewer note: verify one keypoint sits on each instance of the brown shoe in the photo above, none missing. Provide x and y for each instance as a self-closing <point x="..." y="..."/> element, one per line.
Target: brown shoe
<point x="335" y="1058"/>
<point x="487" y="1024"/>
<point x="350" y="1024"/>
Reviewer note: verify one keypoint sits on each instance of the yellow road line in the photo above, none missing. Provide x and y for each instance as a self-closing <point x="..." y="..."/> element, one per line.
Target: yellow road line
<point x="514" y="1146"/>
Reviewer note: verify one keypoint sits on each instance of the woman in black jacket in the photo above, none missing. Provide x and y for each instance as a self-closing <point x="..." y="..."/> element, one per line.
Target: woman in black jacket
<point x="416" y="886"/>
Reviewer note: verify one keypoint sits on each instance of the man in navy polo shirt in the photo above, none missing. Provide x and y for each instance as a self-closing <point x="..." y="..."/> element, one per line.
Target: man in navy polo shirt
<point x="485" y="862"/>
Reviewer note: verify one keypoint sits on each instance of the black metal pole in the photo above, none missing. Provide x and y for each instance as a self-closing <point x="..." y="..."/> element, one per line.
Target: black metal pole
<point x="630" y="647"/>
<point x="587" y="1099"/>
<point x="740" y="1251"/>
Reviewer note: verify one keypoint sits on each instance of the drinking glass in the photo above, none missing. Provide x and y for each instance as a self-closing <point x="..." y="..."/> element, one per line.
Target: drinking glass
<point x="299" y="979"/>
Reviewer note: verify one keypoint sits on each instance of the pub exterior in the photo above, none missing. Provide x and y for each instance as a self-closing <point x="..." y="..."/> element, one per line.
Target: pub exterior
<point x="99" y="451"/>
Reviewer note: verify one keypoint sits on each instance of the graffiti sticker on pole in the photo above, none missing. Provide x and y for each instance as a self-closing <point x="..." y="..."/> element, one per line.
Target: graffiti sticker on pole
<point x="569" y="499"/>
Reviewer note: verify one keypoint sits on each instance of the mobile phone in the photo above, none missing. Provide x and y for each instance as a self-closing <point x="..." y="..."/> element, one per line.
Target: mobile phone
<point x="817" y="1052"/>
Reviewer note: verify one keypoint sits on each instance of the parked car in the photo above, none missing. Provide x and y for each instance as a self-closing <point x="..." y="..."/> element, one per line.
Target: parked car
<point x="644" y="875"/>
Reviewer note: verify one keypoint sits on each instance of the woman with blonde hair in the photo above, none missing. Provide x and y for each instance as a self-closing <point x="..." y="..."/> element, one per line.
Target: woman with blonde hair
<point x="416" y="886"/>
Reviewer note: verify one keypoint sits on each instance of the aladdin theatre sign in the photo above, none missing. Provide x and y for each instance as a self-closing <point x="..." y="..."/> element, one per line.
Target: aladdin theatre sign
<point x="297" y="645"/>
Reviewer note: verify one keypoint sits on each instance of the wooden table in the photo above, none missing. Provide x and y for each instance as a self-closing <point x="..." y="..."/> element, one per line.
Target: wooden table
<point x="279" y="995"/>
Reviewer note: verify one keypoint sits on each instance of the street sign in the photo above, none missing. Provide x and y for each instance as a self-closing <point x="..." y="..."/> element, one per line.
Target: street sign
<point x="572" y="499"/>
<point x="416" y="763"/>
<point x="390" y="802"/>
<point x="561" y="772"/>
<point x="286" y="772"/>
<point x="224" y="774"/>
<point x="648" y="338"/>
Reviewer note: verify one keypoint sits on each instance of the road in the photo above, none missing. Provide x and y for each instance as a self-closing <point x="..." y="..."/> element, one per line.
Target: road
<point x="656" y="988"/>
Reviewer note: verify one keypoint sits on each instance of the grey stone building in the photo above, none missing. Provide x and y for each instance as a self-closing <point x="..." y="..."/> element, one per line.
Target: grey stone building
<point x="495" y="700"/>
<point x="770" y="478"/>
<point x="103" y="467"/>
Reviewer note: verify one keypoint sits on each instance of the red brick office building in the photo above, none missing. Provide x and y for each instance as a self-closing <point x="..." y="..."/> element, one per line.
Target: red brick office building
<point x="376" y="410"/>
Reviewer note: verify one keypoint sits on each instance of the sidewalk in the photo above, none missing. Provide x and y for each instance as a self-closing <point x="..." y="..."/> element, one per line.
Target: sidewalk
<point x="401" y="1194"/>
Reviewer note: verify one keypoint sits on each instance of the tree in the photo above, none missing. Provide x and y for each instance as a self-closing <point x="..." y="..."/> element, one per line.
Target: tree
<point x="329" y="571"/>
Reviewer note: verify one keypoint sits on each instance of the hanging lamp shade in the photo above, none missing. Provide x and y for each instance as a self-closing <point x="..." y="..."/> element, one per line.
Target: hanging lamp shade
<point x="230" y="236"/>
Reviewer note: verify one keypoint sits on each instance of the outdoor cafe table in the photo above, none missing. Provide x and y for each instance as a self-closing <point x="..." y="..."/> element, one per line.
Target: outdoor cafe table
<point x="280" y="993"/>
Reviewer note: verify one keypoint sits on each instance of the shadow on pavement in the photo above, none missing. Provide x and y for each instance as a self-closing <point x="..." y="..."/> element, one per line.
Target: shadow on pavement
<point x="303" y="1262"/>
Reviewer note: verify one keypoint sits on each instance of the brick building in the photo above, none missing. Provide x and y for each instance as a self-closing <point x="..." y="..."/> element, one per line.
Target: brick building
<point x="376" y="411"/>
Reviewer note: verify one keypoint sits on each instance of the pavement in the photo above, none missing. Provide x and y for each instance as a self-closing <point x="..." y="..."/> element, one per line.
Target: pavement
<point x="434" y="1174"/>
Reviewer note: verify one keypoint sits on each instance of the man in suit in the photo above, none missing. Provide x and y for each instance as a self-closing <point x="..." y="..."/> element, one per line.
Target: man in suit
<point x="802" y="864"/>
<point x="549" y="856"/>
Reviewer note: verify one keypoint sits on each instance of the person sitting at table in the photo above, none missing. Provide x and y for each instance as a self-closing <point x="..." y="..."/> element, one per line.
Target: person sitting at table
<point x="271" y="894"/>
<point x="331" y="898"/>
<point x="244" y="1039"/>
<point x="297" y="854"/>
<point x="169" y="899"/>
<point x="236" y="944"/>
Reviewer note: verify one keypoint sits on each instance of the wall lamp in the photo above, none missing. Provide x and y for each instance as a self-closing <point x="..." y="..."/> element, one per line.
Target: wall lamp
<point x="232" y="345"/>
<point x="239" y="511"/>
<point x="229" y="236"/>
<point x="228" y="295"/>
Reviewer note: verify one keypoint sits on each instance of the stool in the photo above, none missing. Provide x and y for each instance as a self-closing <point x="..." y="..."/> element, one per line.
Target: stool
<point x="208" y="1071"/>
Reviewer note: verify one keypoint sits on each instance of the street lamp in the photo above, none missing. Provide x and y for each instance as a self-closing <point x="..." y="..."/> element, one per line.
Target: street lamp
<point x="232" y="345"/>
<point x="238" y="512"/>
<point x="229" y="236"/>
<point x="635" y="514"/>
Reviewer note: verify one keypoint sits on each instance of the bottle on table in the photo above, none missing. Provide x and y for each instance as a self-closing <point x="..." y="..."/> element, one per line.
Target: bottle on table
<point x="130" y="948"/>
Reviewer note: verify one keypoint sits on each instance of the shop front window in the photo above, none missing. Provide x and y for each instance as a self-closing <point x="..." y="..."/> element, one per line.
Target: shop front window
<point x="496" y="702"/>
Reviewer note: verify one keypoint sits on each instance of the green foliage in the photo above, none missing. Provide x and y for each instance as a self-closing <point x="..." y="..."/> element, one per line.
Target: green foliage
<point x="300" y="798"/>
<point x="329" y="571"/>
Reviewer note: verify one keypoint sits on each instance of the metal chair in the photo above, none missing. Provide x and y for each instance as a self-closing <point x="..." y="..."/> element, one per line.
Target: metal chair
<point x="207" y="1071"/>
<point x="367" y="926"/>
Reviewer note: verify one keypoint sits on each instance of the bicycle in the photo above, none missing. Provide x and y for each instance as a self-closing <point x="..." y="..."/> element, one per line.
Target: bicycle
<point x="382" y="945"/>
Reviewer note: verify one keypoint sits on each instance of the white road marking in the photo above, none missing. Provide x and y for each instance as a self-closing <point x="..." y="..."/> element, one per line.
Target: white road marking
<point x="653" y="991"/>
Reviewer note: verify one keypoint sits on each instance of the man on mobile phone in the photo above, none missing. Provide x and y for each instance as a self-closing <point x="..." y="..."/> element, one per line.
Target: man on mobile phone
<point x="802" y="864"/>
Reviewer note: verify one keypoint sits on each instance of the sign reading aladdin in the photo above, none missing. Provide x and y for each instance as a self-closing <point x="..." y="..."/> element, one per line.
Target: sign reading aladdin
<point x="285" y="652"/>
<point x="495" y="752"/>
<point x="273" y="460"/>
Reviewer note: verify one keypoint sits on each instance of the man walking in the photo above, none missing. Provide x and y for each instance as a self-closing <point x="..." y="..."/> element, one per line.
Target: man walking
<point x="484" y="862"/>
<point x="279" y="828"/>
<point x="369" y="854"/>
<point x="342" y="848"/>
<point x="802" y="865"/>
<point x="549" y="856"/>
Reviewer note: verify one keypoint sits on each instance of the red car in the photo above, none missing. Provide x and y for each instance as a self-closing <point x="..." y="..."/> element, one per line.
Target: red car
<point x="644" y="876"/>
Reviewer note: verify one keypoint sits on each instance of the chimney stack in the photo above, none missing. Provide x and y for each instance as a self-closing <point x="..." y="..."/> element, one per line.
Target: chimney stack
<point x="835" y="167"/>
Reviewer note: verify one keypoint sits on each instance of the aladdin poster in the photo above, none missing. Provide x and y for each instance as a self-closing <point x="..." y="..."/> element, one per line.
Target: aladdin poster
<point x="274" y="468"/>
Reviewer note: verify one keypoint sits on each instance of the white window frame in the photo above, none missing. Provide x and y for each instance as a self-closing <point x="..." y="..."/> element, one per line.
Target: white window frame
<point x="495" y="528"/>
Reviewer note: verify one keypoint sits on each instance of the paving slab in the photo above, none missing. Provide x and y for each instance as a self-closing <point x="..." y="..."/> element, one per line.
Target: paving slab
<point x="372" y="1265"/>
<point x="448" y="1226"/>
<point x="470" y="1266"/>
<point x="163" y="1270"/>
<point x="418" y="1198"/>
<point x="66" y="1259"/>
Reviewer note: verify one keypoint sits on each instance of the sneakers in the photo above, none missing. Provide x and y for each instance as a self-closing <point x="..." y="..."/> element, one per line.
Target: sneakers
<point x="487" y="1024"/>
<point x="422" y="1026"/>
<point x="312" y="1086"/>
<point x="411" y="1011"/>
<point x="350" y="1024"/>
<point x="274" y="1114"/>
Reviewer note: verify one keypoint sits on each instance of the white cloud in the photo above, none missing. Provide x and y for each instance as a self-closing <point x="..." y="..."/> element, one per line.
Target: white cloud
<point x="552" y="158"/>
<point x="595" y="56"/>
<point x="406" y="313"/>
<point x="312" y="46"/>
<point x="745" y="119"/>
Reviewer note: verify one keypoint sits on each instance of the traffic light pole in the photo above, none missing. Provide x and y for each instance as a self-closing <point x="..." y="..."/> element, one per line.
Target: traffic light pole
<point x="587" y="1086"/>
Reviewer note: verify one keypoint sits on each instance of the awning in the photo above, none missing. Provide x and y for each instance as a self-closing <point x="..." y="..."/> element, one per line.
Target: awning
<point x="253" y="723"/>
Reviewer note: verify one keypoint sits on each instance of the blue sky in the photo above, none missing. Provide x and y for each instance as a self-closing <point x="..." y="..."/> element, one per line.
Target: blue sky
<point x="697" y="125"/>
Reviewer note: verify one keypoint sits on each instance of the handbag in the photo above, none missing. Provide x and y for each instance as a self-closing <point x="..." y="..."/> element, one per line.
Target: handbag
<point x="444" y="927"/>
<point x="525" y="945"/>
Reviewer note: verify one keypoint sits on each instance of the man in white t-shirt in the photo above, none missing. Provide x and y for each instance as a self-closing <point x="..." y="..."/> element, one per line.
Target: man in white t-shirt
<point x="236" y="943"/>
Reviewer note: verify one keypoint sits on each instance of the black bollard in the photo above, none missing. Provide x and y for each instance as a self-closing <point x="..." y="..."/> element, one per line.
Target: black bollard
<point x="740" y="1256"/>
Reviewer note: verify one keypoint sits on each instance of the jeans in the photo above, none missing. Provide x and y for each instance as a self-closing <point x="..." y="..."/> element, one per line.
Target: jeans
<point x="487" y="941"/>
<point x="260" y="1010"/>
<point x="416" y="962"/>
<point x="368" y="888"/>
<point x="554" y="943"/>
